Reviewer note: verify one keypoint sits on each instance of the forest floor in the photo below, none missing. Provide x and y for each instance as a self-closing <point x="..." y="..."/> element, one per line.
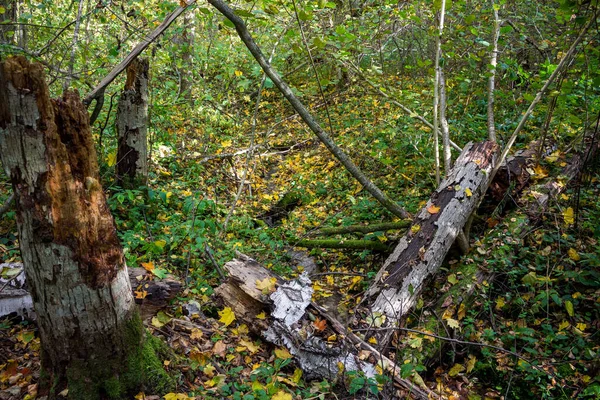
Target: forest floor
<point x="540" y="299"/>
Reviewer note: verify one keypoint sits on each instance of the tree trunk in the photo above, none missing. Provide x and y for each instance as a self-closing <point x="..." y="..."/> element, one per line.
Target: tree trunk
<point x="91" y="333"/>
<point x="132" y="127"/>
<point x="421" y="252"/>
<point x="188" y="37"/>
<point x="7" y="31"/>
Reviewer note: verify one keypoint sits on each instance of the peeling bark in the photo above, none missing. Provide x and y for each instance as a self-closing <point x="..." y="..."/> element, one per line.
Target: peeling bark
<point x="421" y="252"/>
<point x="132" y="127"/>
<point x="287" y="324"/>
<point x="73" y="260"/>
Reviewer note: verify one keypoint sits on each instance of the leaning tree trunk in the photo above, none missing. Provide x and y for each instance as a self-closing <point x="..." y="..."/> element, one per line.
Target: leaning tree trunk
<point x="132" y="126"/>
<point x="421" y="252"/>
<point x="91" y="333"/>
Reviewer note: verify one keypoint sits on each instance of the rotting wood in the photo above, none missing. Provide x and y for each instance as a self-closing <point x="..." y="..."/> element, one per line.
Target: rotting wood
<point x="151" y="295"/>
<point x="287" y="324"/>
<point x="420" y="253"/>
<point x="534" y="201"/>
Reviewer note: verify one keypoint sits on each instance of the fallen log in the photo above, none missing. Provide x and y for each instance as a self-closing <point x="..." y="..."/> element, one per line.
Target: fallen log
<point x="250" y="291"/>
<point x="470" y="275"/>
<point x="381" y="227"/>
<point x="421" y="252"/>
<point x="343" y="244"/>
<point x="151" y="295"/>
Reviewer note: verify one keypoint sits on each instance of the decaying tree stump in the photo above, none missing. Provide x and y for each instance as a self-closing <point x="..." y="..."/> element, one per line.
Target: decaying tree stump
<point x="132" y="126"/>
<point x="91" y="333"/>
<point x="421" y="252"/>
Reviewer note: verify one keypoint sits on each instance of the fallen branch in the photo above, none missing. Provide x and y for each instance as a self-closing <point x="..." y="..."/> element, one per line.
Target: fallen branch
<point x="421" y="252"/>
<point x="382" y="227"/>
<point x="344" y="244"/>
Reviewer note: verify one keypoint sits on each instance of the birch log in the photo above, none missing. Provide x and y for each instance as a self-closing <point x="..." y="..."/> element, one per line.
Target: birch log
<point x="250" y="290"/>
<point x="421" y="252"/>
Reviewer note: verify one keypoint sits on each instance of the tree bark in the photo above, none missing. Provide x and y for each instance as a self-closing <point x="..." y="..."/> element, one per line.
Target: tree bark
<point x="421" y="252"/>
<point x="187" y="77"/>
<point x="287" y="324"/>
<point x="492" y="78"/>
<point x="132" y="127"/>
<point x="91" y="333"/>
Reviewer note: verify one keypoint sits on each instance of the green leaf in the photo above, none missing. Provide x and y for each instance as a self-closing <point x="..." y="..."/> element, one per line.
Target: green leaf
<point x="160" y="273"/>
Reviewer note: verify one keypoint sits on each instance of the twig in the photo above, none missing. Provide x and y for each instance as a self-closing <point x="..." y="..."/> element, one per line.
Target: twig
<point x="11" y="279"/>
<point x="7" y="204"/>
<point x="74" y="46"/>
<point x="208" y="252"/>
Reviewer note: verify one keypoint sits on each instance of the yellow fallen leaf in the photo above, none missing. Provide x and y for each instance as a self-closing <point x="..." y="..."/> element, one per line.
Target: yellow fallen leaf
<point x="149" y="266"/>
<point x="196" y="334"/>
<point x="281" y="395"/>
<point x="573" y="255"/>
<point x="247" y="344"/>
<point x="227" y="316"/>
<point x="209" y="370"/>
<point x="262" y="315"/>
<point x="267" y="285"/>
<point x="456" y="369"/>
<point x="471" y="363"/>
<point x="452" y="323"/>
<point x="282" y="353"/>
<point x="468" y="192"/>
<point x="568" y="216"/>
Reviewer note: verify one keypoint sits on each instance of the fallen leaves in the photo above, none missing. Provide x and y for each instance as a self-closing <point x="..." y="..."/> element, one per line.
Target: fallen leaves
<point x="227" y="316"/>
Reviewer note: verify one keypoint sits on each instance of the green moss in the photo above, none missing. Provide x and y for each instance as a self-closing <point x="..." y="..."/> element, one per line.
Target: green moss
<point x="141" y="368"/>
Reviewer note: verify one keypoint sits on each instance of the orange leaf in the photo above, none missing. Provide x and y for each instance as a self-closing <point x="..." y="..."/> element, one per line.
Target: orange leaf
<point x="320" y="324"/>
<point x="149" y="266"/>
<point x="433" y="209"/>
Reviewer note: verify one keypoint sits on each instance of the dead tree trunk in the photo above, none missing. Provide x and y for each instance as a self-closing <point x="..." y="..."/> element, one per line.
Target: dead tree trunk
<point x="91" y="333"/>
<point x="132" y="127"/>
<point x="533" y="202"/>
<point x="421" y="252"/>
